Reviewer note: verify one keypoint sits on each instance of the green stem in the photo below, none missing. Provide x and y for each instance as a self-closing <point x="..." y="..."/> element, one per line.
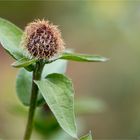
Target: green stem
<point x="34" y="93"/>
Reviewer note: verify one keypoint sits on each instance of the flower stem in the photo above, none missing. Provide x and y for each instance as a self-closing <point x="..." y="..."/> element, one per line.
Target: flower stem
<point x="34" y="93"/>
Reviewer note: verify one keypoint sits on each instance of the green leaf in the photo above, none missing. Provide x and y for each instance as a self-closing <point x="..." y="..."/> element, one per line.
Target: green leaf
<point x="24" y="80"/>
<point x="24" y="62"/>
<point x="10" y="37"/>
<point x="58" y="93"/>
<point x="82" y="57"/>
<point x="23" y="87"/>
<point x="87" y="137"/>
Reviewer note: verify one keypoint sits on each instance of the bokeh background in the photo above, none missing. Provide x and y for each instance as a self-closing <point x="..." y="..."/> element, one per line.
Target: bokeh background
<point x="110" y="28"/>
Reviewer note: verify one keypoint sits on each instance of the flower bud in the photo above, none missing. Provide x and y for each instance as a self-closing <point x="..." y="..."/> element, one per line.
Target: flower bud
<point x="42" y="40"/>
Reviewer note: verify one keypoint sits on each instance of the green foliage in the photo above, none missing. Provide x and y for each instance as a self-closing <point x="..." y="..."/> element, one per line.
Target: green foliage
<point x="23" y="87"/>
<point x="87" y="137"/>
<point x="24" y="81"/>
<point x="58" y="92"/>
<point x="43" y="117"/>
<point x="82" y="57"/>
<point x="54" y="88"/>
<point x="10" y="37"/>
<point x="23" y="62"/>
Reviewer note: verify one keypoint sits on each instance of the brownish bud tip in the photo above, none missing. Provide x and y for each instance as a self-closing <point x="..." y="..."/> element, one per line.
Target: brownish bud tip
<point x="42" y="39"/>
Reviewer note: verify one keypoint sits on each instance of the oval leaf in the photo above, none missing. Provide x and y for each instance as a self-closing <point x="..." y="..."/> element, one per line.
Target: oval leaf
<point x="82" y="57"/>
<point x="58" y="93"/>
<point x="87" y="137"/>
<point x="24" y="62"/>
<point x="10" y="36"/>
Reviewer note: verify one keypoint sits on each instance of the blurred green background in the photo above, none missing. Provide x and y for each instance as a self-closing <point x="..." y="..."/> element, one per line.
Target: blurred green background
<point x="107" y="27"/>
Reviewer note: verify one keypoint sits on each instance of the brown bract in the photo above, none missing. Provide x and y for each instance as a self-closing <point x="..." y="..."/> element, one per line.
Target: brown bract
<point x="42" y="40"/>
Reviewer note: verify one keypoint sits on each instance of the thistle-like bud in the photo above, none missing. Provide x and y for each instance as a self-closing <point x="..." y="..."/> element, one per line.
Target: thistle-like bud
<point x="42" y="40"/>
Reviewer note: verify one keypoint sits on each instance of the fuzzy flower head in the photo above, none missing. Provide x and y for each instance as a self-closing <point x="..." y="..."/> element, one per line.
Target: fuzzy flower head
<point x="42" y="40"/>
